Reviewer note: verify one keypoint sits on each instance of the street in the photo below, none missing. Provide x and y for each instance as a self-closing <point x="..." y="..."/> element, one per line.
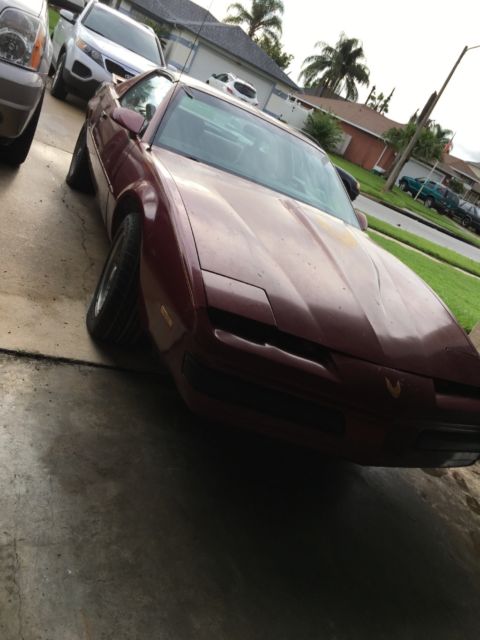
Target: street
<point x="125" y="517"/>
<point x="397" y="219"/>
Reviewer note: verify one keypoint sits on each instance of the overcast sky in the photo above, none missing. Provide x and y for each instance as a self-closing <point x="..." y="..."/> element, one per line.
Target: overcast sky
<point x="410" y="45"/>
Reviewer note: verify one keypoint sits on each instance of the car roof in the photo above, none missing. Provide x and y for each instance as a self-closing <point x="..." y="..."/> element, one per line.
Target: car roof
<point x="188" y="81"/>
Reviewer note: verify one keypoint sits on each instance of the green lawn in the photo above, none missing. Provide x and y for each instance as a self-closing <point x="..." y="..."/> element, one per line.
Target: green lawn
<point x="460" y="292"/>
<point x="53" y="17"/>
<point x="430" y="248"/>
<point x="372" y="185"/>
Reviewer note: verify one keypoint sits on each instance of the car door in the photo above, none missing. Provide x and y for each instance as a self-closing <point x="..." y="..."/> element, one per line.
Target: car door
<point x="112" y="140"/>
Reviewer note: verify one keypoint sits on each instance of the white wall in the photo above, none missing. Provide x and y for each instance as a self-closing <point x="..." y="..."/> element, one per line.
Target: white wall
<point x="416" y="169"/>
<point x="286" y="110"/>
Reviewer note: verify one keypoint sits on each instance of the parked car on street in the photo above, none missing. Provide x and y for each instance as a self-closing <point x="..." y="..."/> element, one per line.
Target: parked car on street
<point x="350" y="183"/>
<point x="25" y="54"/>
<point x="433" y="194"/>
<point x="468" y="214"/>
<point x="235" y="246"/>
<point x="237" y="87"/>
<point x="90" y="47"/>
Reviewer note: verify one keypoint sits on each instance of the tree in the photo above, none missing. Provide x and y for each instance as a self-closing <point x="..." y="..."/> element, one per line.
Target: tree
<point x="338" y="68"/>
<point x="430" y="145"/>
<point x="324" y="128"/>
<point x="379" y="103"/>
<point x="274" y="49"/>
<point x="262" y="19"/>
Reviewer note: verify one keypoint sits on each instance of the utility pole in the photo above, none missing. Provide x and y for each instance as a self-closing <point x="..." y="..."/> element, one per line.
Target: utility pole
<point x="423" y="118"/>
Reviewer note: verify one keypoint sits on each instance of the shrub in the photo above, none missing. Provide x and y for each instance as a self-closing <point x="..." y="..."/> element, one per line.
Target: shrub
<point x="324" y="128"/>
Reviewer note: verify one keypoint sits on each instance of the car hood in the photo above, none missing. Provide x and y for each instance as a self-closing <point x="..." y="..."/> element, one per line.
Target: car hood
<point x="326" y="281"/>
<point x="116" y="52"/>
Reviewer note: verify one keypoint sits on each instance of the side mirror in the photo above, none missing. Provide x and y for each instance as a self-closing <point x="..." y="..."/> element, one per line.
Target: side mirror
<point x="362" y="220"/>
<point x="76" y="6"/>
<point x="68" y="16"/>
<point x="130" y="120"/>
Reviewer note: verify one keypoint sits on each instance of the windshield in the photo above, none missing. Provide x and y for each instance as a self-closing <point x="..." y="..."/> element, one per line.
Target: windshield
<point x="123" y="32"/>
<point x="211" y="130"/>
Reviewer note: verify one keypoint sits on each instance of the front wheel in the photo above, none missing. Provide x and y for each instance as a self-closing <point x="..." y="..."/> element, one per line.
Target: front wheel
<point x="113" y="312"/>
<point x="59" y="88"/>
<point x="466" y="222"/>
<point x="429" y="202"/>
<point x="403" y="186"/>
<point x="78" y="176"/>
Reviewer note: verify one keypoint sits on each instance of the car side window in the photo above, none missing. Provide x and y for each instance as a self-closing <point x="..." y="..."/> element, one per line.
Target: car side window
<point x="223" y="77"/>
<point x="145" y="96"/>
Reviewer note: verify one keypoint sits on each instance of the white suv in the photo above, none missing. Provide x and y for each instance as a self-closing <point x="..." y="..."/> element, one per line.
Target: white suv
<point x="237" y="87"/>
<point x="89" y="48"/>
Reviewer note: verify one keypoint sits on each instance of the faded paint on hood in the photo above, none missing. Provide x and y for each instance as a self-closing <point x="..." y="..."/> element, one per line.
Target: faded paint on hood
<point x="326" y="280"/>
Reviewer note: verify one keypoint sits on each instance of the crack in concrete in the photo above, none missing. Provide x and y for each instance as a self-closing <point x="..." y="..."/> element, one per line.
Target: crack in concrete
<point x="18" y="590"/>
<point x="83" y="240"/>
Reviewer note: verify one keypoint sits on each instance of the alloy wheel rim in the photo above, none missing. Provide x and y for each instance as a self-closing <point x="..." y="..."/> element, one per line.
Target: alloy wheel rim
<point x="108" y="275"/>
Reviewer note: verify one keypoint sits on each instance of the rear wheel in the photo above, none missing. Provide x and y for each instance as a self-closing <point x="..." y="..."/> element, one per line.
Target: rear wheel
<point x="17" y="151"/>
<point x="59" y="88"/>
<point x="466" y="222"/>
<point x="113" y="312"/>
<point x="78" y="176"/>
<point x="429" y="202"/>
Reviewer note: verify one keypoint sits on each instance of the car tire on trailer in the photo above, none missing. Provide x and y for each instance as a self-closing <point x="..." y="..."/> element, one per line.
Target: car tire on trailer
<point x="113" y="314"/>
<point x="59" y="88"/>
<point x="17" y="151"/>
<point x="79" y="176"/>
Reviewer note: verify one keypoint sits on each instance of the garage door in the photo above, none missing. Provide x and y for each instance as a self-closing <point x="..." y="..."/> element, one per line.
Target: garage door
<point x="207" y="61"/>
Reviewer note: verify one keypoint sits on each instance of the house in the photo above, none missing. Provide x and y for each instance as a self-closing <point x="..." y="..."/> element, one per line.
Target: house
<point x="363" y="130"/>
<point x="199" y="44"/>
<point x="453" y="167"/>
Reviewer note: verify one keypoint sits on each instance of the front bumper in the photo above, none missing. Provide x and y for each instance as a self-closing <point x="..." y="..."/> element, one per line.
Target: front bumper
<point x="348" y="411"/>
<point x="20" y="93"/>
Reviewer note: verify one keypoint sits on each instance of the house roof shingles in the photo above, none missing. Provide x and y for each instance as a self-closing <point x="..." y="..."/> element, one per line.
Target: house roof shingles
<point x="230" y="38"/>
<point x="356" y="114"/>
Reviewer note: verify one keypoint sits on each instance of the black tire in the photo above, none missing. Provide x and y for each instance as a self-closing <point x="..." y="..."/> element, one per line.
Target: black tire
<point x="403" y="186"/>
<point x="59" y="88"/>
<point x="466" y="222"/>
<point x="429" y="202"/>
<point x="17" y="151"/>
<point x="113" y="312"/>
<point x="79" y="176"/>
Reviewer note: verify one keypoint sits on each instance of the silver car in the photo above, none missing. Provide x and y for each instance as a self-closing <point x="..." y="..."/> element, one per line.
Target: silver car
<point x="90" y="47"/>
<point x="25" y="53"/>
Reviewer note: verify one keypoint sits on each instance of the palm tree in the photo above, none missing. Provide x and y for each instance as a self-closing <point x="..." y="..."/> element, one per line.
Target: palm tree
<point x="338" y="68"/>
<point x="262" y="19"/>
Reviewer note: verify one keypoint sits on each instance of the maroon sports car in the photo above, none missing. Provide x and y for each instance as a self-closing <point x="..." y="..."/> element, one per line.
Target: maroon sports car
<point x="235" y="246"/>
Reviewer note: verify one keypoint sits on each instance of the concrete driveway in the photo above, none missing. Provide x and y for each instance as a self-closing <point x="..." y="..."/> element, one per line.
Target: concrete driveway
<point x="124" y="517"/>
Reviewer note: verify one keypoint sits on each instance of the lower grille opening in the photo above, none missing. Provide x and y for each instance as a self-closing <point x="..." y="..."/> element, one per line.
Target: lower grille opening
<point x="268" y="401"/>
<point x="449" y="440"/>
<point x="446" y="388"/>
<point x="81" y="70"/>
